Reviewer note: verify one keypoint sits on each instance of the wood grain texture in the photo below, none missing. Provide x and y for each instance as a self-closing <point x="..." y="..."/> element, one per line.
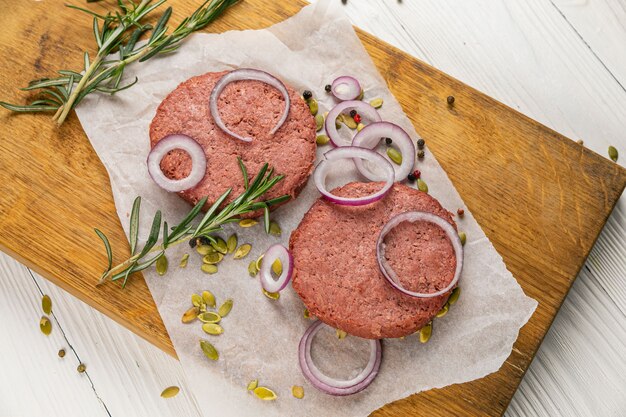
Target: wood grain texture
<point x="57" y="190"/>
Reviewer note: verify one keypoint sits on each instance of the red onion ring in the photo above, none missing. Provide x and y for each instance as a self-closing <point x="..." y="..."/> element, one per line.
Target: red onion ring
<point x="281" y="253"/>
<point x="330" y="385"/>
<point x="350" y="152"/>
<point x="346" y="88"/>
<point x="244" y="74"/>
<point x="170" y="143"/>
<point x="413" y="216"/>
<point x="364" y="109"/>
<point x="370" y="136"/>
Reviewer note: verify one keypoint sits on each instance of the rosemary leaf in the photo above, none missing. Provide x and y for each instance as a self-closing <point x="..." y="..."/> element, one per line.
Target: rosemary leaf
<point x="154" y="234"/>
<point x="165" y="237"/>
<point x="244" y="172"/>
<point x="266" y="219"/>
<point x="107" y="247"/>
<point x="213" y="209"/>
<point x="134" y="224"/>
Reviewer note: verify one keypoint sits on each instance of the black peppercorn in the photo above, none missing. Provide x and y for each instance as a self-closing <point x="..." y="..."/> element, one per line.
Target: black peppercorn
<point x="203" y="240"/>
<point x="344" y="1"/>
<point x="352" y="113"/>
<point x="192" y="243"/>
<point x="420" y="154"/>
<point x="450" y="100"/>
<point x="327" y="88"/>
<point x="388" y="141"/>
<point x="421" y="143"/>
<point x="307" y="94"/>
<point x="411" y="177"/>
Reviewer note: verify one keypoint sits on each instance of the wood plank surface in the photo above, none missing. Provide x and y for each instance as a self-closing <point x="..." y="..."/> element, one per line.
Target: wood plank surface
<point x="540" y="198"/>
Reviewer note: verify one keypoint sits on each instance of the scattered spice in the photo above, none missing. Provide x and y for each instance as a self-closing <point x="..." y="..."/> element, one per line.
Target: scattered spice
<point x="193" y="243"/>
<point x="420" y="154"/>
<point x="313" y="106"/>
<point x="417" y="173"/>
<point x="212" y="328"/>
<point x="170" y="392"/>
<point x="61" y="353"/>
<point x="328" y="88"/>
<point x="421" y="143"/>
<point x="81" y="368"/>
<point x="353" y="113"/>
<point x="460" y="212"/>
<point x="209" y="317"/>
<point x="271" y="295"/>
<point x="208" y="268"/>
<point x="208" y="298"/>
<point x="388" y="141"/>
<point x="357" y="118"/>
<point x="242" y="251"/>
<point x="306" y="313"/>
<point x="307" y="94"/>
<point x="190" y="315"/>
<point x="411" y="177"/>
<point x="450" y="100"/>
<point x="359" y="127"/>
<point x="252" y="269"/>
<point x="297" y="391"/>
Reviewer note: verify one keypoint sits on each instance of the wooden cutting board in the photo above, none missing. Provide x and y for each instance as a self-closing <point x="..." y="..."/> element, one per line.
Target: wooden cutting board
<point x="541" y="198"/>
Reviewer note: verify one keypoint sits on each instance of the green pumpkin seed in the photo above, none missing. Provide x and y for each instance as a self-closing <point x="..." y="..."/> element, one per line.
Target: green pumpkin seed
<point x="421" y="185"/>
<point x="340" y="334"/>
<point x="225" y="308"/>
<point x="212" y="258"/>
<point x="463" y="238"/>
<point x="46" y="304"/>
<point x="360" y="97"/>
<point x="277" y="267"/>
<point x="443" y="311"/>
<point x="426" y="332"/>
<point x="212" y="328"/>
<point x="209" y="317"/>
<point x="376" y="103"/>
<point x="338" y="120"/>
<point x="208" y="298"/>
<point x="394" y="155"/>
<point x="271" y="295"/>
<point x="184" y="260"/>
<point x="252" y="384"/>
<point x="208" y="268"/>
<point x="204" y="249"/>
<point x="45" y="325"/>
<point x="209" y="350"/>
<point x="297" y="391"/>
<point x="319" y="122"/>
<point x="313" y="106"/>
<point x="190" y="315"/>
<point x="170" y="392"/>
<point x="81" y="368"/>
<point x="247" y="223"/>
<point x="454" y="296"/>
<point x="613" y="153"/>
<point x="196" y="300"/>
<point x="264" y="393"/>
<point x="252" y="269"/>
<point x="275" y="229"/>
<point x="349" y="121"/>
<point x="259" y="262"/>
<point x="161" y="265"/>
<point x="220" y="245"/>
<point x="322" y="140"/>
<point x="306" y="313"/>
<point x="242" y="251"/>
<point x="231" y="243"/>
<point x="359" y="127"/>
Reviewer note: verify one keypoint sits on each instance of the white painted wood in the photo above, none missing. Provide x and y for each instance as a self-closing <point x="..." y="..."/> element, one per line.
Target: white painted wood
<point x="562" y="62"/>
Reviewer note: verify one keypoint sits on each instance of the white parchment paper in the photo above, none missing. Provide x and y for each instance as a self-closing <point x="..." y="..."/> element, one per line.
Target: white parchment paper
<point x="261" y="336"/>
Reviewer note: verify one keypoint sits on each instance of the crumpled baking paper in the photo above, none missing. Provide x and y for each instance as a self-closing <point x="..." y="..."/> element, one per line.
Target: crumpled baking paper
<point x="261" y="336"/>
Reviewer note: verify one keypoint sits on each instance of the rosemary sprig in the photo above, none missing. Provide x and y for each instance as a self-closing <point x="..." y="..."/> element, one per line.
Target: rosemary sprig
<point x="115" y="33"/>
<point x="211" y="222"/>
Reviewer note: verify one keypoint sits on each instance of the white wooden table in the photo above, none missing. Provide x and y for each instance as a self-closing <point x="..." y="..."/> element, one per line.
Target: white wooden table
<point x="561" y="62"/>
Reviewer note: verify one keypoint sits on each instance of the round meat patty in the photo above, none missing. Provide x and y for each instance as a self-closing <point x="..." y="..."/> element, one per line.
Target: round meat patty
<point x="250" y="108"/>
<point x="336" y="273"/>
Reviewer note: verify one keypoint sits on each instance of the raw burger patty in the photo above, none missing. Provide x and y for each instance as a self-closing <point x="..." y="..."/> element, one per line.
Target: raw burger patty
<point x="336" y="273"/>
<point x="250" y="108"/>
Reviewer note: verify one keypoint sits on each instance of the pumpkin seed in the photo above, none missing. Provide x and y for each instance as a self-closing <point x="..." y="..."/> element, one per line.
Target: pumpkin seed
<point x="225" y="308"/>
<point x="421" y="185"/>
<point x="220" y="245"/>
<point x="426" y="332"/>
<point x="45" y="326"/>
<point x="340" y="334"/>
<point x="306" y="313"/>
<point x="275" y="229"/>
<point x="394" y="155"/>
<point x="208" y="298"/>
<point x="338" y="120"/>
<point x="313" y="106"/>
<point x="297" y="391"/>
<point x="242" y="251"/>
<point x="212" y="328"/>
<point x="463" y="238"/>
<point x="161" y="265"/>
<point x="252" y="270"/>
<point x="359" y="127"/>
<point x="204" y="249"/>
<point x="209" y="350"/>
<point x="264" y="393"/>
<point x="209" y="317"/>
<point x="212" y="258"/>
<point x="259" y="262"/>
<point x="184" y="260"/>
<point x="454" y="296"/>
<point x="208" y="268"/>
<point x="443" y="311"/>
<point x="277" y="267"/>
<point x="349" y="121"/>
<point x="46" y="304"/>
<point x="360" y="97"/>
<point x="61" y="353"/>
<point x="231" y="243"/>
<point x="247" y="222"/>
<point x="322" y="140"/>
<point x="319" y="122"/>
<point x="196" y="300"/>
<point x="271" y="295"/>
<point x="613" y="153"/>
<point x="252" y="384"/>
<point x="190" y="315"/>
<point x="81" y="368"/>
<point x="170" y="392"/>
<point x="376" y="103"/>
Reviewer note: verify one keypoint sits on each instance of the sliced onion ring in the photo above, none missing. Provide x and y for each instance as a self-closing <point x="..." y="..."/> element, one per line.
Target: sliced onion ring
<point x="242" y="75"/>
<point x="170" y="143"/>
<point x="330" y="385"/>
<point x="364" y="109"/>
<point x="415" y="216"/>
<point x="369" y="137"/>
<point x="281" y="253"/>
<point x="350" y="152"/>
<point x="346" y="88"/>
